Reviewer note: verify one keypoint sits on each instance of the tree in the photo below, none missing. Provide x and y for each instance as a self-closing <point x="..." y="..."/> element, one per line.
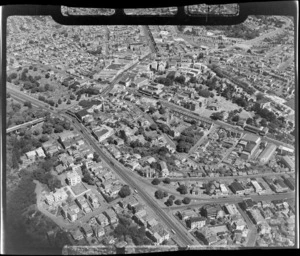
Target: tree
<point x="178" y="202"/>
<point x="182" y="189"/>
<point x="169" y="202"/>
<point x="249" y="121"/>
<point x="155" y="181"/>
<point x="47" y="86"/>
<point x="162" y="111"/>
<point x="172" y="197"/>
<point x="204" y="93"/>
<point x="186" y="200"/>
<point x="167" y="180"/>
<point x="72" y="97"/>
<point x="68" y="102"/>
<point x="159" y="194"/>
<point x="28" y="104"/>
<point x="58" y="128"/>
<point x="235" y="118"/>
<point x="59" y="101"/>
<point x="165" y="194"/>
<point x="259" y="96"/>
<point x="180" y="79"/>
<point x="124" y="191"/>
<point x="44" y="138"/>
<point x="263" y="122"/>
<point x="67" y="125"/>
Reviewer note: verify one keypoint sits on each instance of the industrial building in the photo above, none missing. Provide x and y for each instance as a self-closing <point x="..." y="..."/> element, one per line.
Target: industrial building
<point x="267" y="153"/>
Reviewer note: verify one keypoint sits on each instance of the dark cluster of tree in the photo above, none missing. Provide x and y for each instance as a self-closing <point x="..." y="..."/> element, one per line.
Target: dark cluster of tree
<point x="42" y="174"/>
<point x="87" y="177"/>
<point x="182" y="189"/>
<point x="164" y="80"/>
<point x="11" y="77"/>
<point x="236" y="31"/>
<point x="127" y="228"/>
<point x="89" y="91"/>
<point x="155" y="181"/>
<point x="125" y="191"/>
<point x="188" y="138"/>
<point x="15" y="116"/>
<point x="221" y="73"/>
<point x="88" y="103"/>
<point x="20" y="146"/>
<point x="204" y="93"/>
<point x="55" y="125"/>
<point x="159" y="194"/>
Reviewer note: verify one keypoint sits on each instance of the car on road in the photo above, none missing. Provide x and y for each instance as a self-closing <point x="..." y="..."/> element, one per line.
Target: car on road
<point x="173" y="231"/>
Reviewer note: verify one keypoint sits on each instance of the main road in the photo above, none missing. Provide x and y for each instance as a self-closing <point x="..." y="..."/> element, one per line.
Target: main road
<point x="184" y="238"/>
<point x="128" y="179"/>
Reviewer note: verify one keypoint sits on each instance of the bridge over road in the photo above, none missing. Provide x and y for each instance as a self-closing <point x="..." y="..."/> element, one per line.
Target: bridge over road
<point x="17" y="127"/>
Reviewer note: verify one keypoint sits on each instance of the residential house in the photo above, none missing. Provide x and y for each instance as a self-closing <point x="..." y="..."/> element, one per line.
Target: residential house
<point x="87" y="230"/>
<point x="73" y="178"/>
<point x="76" y="234"/>
<point x="102" y="220"/>
<point x="112" y="216"/>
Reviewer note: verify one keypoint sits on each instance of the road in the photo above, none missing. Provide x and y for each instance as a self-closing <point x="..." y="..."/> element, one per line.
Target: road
<point x="16" y="127"/>
<point x="127" y="177"/>
<point x="184" y="238"/>
<point x="149" y="36"/>
<point x="252" y="235"/>
<point x="237" y="199"/>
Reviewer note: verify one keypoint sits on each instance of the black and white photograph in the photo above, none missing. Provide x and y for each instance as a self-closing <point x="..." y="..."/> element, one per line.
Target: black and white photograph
<point x="125" y="138"/>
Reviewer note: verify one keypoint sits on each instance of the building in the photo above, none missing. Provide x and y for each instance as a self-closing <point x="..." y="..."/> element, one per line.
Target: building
<point x="56" y="197"/>
<point x="210" y="211"/>
<point x="103" y="133"/>
<point x="73" y="178"/>
<point x="237" y="188"/>
<point x="231" y="209"/>
<point x="256" y="186"/>
<point x="251" y="138"/>
<point x="267" y="153"/>
<point x="256" y="216"/>
<point x="287" y="161"/>
<point x="31" y="154"/>
<point x="164" y="169"/>
<point x="102" y="220"/>
<point x="66" y="135"/>
<point x="99" y="231"/>
<point x="186" y="214"/>
<point x="76" y="234"/>
<point x="112" y="216"/>
<point x="285" y="150"/>
<point x="223" y="188"/>
<point x="87" y="230"/>
<point x="196" y="222"/>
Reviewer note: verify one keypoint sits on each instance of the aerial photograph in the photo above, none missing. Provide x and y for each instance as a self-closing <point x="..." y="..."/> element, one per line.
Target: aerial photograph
<point x="152" y="136"/>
